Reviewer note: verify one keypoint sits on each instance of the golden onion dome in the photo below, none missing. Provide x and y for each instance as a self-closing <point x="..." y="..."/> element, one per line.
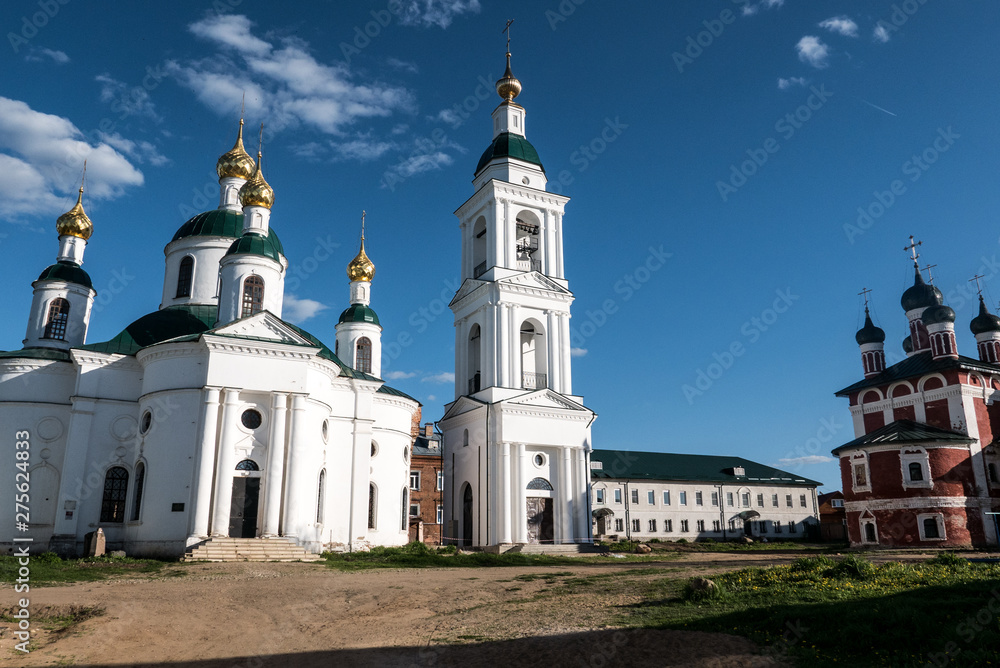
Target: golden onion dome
<point x="256" y="191"/>
<point x="361" y="268"/>
<point x="235" y="162"/>
<point x="75" y="223"/>
<point x="508" y="87"/>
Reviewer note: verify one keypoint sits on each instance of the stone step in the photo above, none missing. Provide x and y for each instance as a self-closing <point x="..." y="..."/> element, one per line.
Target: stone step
<point x="248" y="549"/>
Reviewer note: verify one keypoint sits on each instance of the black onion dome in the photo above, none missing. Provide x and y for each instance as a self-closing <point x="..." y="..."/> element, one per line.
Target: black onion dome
<point x="985" y="321"/>
<point x="908" y="345"/>
<point x="921" y="295"/>
<point x="937" y="314"/>
<point x="869" y="333"/>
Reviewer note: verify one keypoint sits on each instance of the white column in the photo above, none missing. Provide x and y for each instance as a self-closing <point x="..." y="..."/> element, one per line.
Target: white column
<point x="202" y="510"/>
<point x="226" y="459"/>
<point x="580" y="496"/>
<point x="543" y="242"/>
<point x="297" y="487"/>
<point x="565" y="350"/>
<point x="506" y="493"/>
<point x="560" y="271"/>
<point x="274" y="469"/>
<point x="566" y="492"/>
<point x="505" y="349"/>
<point x="466" y="250"/>
<point x="499" y="232"/>
<point x="520" y="497"/>
<point x="463" y="370"/>
<point x="553" y="327"/>
<point x="489" y="346"/>
<point x="510" y="235"/>
<point x="514" y="358"/>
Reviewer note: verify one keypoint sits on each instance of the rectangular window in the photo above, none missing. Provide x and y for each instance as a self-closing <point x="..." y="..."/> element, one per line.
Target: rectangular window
<point x="732" y="525"/>
<point x="802" y="500"/>
<point x="684" y="526"/>
<point x="788" y="500"/>
<point x="729" y="499"/>
<point x="440" y="480"/>
<point x="701" y="525"/>
<point x="791" y="527"/>
<point x="439" y="514"/>
<point x="415" y="480"/>
<point x="774" y="500"/>
<point x="837" y="503"/>
<point x="777" y="526"/>
<point x="746" y="499"/>
<point x="619" y="525"/>
<point x="666" y="497"/>
<point x="715" y="499"/>
<point x="635" y="526"/>
<point x="668" y="526"/>
<point x="683" y="497"/>
<point x="652" y="526"/>
<point x="618" y="498"/>
<point x="760" y="500"/>
<point x="651" y="497"/>
<point x="716" y="526"/>
<point x="635" y="496"/>
<point x="699" y="500"/>
<point x="414" y="510"/>
<point x="860" y="476"/>
<point x="599" y="494"/>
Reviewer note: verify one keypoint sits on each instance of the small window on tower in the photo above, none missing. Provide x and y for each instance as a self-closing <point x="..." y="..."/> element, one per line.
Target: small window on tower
<point x="363" y="358"/>
<point x="55" y="324"/>
<point x="253" y="296"/>
<point x="184" y="275"/>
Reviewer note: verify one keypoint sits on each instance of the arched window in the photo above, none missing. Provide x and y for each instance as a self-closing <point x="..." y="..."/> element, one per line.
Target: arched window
<point x="184" y="275"/>
<point x="247" y="465"/>
<point x="363" y="356"/>
<point x="319" y="497"/>
<point x="140" y="476"/>
<point x="372" y="496"/>
<point x="474" y="361"/>
<point x="916" y="471"/>
<point x="58" y="317"/>
<point x="465" y="438"/>
<point x="253" y="295"/>
<point x="113" y="501"/>
<point x="534" y="365"/>
<point x="404" y="513"/>
<point x="540" y="483"/>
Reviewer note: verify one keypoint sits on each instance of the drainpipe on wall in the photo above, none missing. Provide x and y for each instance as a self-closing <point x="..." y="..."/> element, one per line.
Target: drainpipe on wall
<point x="722" y="512"/>
<point x="628" y="523"/>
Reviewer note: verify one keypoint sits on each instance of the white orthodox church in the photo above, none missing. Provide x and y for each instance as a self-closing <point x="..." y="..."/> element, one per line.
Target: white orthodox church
<point x="516" y="439"/>
<point x="210" y="416"/>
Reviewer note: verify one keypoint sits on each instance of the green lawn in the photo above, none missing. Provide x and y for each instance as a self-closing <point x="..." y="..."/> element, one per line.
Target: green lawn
<point x="48" y="569"/>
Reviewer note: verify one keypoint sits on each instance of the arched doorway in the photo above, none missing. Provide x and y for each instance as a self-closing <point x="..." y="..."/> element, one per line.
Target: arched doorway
<point x="467" y="515"/>
<point x="541" y="525"/>
<point x="246" y="497"/>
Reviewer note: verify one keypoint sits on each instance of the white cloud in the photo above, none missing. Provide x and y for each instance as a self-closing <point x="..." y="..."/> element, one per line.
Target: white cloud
<point x="431" y="397"/>
<point x="362" y="148"/>
<point x="880" y="34"/>
<point x="577" y="352"/>
<point x="41" y="157"/>
<point x="750" y="9"/>
<point x="417" y="164"/>
<point x="126" y="101"/>
<point x="443" y="377"/>
<point x="404" y="65"/>
<point x="297" y="310"/>
<point x="140" y="151"/>
<point x="283" y="82"/>
<point x="805" y="461"/>
<point x="39" y="55"/>
<point x="434" y="12"/>
<point x="398" y="375"/>
<point x="813" y="51"/>
<point x="842" y="25"/>
<point x="785" y="84"/>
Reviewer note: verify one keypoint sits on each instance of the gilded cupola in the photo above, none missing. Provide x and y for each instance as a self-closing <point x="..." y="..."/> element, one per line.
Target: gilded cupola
<point x="256" y="191"/>
<point x="235" y="162"/>
<point x="75" y="223"/>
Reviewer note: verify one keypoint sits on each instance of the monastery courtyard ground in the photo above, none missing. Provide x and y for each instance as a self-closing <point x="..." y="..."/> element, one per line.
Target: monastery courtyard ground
<point x="249" y="615"/>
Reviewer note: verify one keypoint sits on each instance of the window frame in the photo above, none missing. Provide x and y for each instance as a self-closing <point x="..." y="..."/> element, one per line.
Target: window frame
<point x="415" y="475"/>
<point x="114" y="495"/>
<point x="57" y="320"/>
<point x="185" y="277"/>
<point x="363" y="353"/>
<point x="252" y="301"/>
<point x="938" y="519"/>
<point x="599" y="496"/>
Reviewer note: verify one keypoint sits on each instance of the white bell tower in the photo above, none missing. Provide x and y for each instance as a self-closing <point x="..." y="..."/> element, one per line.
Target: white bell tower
<point x="519" y="437"/>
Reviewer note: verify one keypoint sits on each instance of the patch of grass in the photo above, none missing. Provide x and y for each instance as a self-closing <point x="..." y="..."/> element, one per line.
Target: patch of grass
<point x="894" y="614"/>
<point x="418" y="555"/>
<point x="49" y="569"/>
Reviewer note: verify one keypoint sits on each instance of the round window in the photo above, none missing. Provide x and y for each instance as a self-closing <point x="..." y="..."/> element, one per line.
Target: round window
<point x="146" y="422"/>
<point x="539" y="460"/>
<point x="251" y="419"/>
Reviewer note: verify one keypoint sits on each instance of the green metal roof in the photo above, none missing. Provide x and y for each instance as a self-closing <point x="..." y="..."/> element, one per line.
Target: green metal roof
<point x="66" y="271"/>
<point x="214" y="223"/>
<point x="632" y="465"/>
<point x="509" y="145"/>
<point x="256" y="244"/>
<point x="37" y="354"/>
<point x="359" y="313"/>
<point x="905" y="431"/>
<point x="167" y="323"/>
<point x="918" y="365"/>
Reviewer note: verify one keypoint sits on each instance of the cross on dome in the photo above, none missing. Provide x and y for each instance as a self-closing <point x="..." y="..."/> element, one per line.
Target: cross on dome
<point x="912" y="248"/>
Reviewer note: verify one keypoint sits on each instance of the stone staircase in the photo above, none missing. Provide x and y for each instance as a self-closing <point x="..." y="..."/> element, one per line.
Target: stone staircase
<point x="248" y="549"/>
<point x="564" y="550"/>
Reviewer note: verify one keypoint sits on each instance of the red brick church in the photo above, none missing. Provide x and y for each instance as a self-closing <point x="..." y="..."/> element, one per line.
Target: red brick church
<point x="922" y="470"/>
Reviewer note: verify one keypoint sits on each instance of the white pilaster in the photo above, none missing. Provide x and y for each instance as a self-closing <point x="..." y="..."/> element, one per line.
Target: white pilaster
<point x="503" y="353"/>
<point x="514" y="354"/>
<point x="226" y="459"/>
<point x="560" y="271"/>
<point x="274" y="469"/>
<point x="567" y="354"/>
<point x="553" y="327"/>
<point x="565" y="492"/>
<point x="500" y="232"/>
<point x="298" y="488"/>
<point x="506" y="493"/>
<point x="207" y="448"/>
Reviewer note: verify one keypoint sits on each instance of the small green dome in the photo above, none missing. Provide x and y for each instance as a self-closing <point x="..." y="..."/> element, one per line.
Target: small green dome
<point x="214" y="223"/>
<point x="359" y="313"/>
<point x="255" y="244"/>
<point x="66" y="271"/>
<point x="509" y="145"/>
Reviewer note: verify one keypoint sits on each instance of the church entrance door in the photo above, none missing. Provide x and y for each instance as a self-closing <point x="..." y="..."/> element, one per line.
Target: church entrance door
<point x="540" y="525"/>
<point x="467" y="516"/>
<point x="243" y="510"/>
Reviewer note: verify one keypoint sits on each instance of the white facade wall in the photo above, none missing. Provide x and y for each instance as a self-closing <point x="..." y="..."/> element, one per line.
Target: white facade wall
<point x="206" y="253"/>
<point x="81" y="301"/>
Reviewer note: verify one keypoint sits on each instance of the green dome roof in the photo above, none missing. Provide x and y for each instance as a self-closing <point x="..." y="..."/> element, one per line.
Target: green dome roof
<point x="66" y="271"/>
<point x="214" y="223"/>
<point x="359" y="313"/>
<point x="255" y="244"/>
<point x="167" y="323"/>
<point x="509" y="145"/>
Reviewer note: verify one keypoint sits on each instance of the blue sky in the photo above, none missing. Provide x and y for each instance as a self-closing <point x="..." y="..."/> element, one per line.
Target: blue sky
<point x="738" y="170"/>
